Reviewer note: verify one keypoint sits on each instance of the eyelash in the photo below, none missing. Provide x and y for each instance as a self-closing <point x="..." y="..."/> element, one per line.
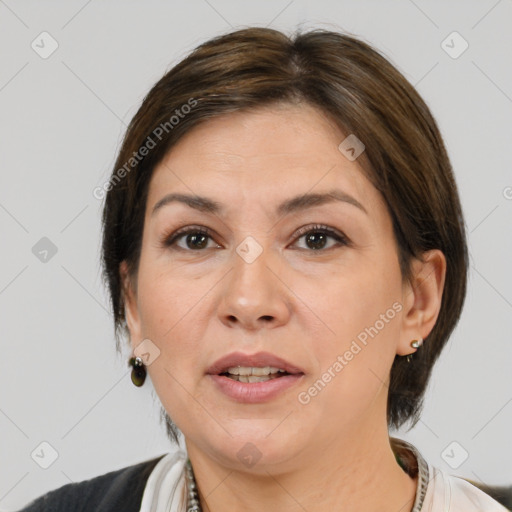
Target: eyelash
<point x="170" y="240"/>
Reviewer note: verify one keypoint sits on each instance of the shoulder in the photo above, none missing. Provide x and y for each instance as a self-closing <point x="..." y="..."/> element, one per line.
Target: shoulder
<point x="120" y="488"/>
<point x="445" y="492"/>
<point x="449" y="492"/>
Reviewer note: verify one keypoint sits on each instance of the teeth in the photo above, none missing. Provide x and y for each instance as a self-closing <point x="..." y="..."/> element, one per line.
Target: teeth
<point x="253" y="371"/>
<point x="253" y="378"/>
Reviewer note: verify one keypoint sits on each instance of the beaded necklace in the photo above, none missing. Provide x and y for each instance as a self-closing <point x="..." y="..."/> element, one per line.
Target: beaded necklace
<point x="193" y="504"/>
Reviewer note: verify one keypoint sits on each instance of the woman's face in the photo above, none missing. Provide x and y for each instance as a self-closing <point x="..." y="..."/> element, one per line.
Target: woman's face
<point x="290" y="252"/>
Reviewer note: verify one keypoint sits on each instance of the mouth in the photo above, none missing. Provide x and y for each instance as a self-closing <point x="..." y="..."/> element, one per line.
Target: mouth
<point x="253" y="378"/>
<point x="253" y="373"/>
<point x="258" y="367"/>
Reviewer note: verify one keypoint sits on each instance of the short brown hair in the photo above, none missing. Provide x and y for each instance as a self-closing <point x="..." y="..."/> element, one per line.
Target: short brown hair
<point x="365" y="95"/>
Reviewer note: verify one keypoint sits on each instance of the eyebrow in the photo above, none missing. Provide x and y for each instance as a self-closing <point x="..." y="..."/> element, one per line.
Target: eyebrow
<point x="292" y="205"/>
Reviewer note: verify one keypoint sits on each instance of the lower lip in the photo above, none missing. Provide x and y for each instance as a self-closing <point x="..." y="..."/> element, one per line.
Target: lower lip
<point x="255" y="392"/>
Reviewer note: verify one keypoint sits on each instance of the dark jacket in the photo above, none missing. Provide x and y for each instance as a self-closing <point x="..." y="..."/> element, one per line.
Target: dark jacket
<point x="119" y="490"/>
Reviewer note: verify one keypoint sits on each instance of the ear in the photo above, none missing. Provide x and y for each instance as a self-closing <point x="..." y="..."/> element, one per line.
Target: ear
<point x="131" y="310"/>
<point x="421" y="298"/>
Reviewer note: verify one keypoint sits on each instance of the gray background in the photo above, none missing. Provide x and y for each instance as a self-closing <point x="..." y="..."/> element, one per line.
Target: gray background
<point x="62" y="119"/>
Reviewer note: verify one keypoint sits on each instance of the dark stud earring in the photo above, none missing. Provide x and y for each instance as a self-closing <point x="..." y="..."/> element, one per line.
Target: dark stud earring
<point x="138" y="371"/>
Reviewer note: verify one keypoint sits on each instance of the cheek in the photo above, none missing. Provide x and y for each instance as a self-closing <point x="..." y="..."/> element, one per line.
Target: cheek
<point x="166" y="299"/>
<point x="360" y="313"/>
<point x="353" y="364"/>
<point x="173" y="317"/>
<point x="353" y="299"/>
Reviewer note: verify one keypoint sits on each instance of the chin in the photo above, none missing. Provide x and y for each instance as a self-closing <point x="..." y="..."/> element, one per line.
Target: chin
<point x="255" y="446"/>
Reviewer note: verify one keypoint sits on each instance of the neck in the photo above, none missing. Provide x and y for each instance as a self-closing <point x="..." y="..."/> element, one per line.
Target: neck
<point x="357" y="472"/>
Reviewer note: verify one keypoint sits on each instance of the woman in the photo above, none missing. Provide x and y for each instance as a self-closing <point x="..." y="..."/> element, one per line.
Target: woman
<point x="285" y="249"/>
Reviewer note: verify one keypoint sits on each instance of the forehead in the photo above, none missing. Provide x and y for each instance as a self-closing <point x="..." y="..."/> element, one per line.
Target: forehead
<point x="269" y="153"/>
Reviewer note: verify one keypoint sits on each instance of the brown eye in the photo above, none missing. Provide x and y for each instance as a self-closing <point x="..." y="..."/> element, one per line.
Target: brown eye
<point x="196" y="240"/>
<point x="190" y="238"/>
<point x="316" y="240"/>
<point x="317" y="237"/>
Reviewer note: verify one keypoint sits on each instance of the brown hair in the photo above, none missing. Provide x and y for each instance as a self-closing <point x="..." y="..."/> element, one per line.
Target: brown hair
<point x="363" y="93"/>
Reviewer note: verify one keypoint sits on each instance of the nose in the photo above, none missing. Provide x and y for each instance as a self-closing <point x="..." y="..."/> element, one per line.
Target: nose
<point x="254" y="296"/>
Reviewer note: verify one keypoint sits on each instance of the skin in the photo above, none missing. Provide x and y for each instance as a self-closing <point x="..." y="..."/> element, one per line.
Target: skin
<point x="304" y="305"/>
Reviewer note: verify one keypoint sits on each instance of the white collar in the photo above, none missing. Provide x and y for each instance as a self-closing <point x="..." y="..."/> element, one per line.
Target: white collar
<point x="165" y="489"/>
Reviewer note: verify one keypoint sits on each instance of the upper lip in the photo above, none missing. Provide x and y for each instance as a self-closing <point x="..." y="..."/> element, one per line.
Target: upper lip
<point x="260" y="359"/>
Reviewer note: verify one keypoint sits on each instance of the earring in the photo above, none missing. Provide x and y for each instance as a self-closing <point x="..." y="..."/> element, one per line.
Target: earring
<point x="417" y="343"/>
<point x="414" y="344"/>
<point x="138" y="371"/>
